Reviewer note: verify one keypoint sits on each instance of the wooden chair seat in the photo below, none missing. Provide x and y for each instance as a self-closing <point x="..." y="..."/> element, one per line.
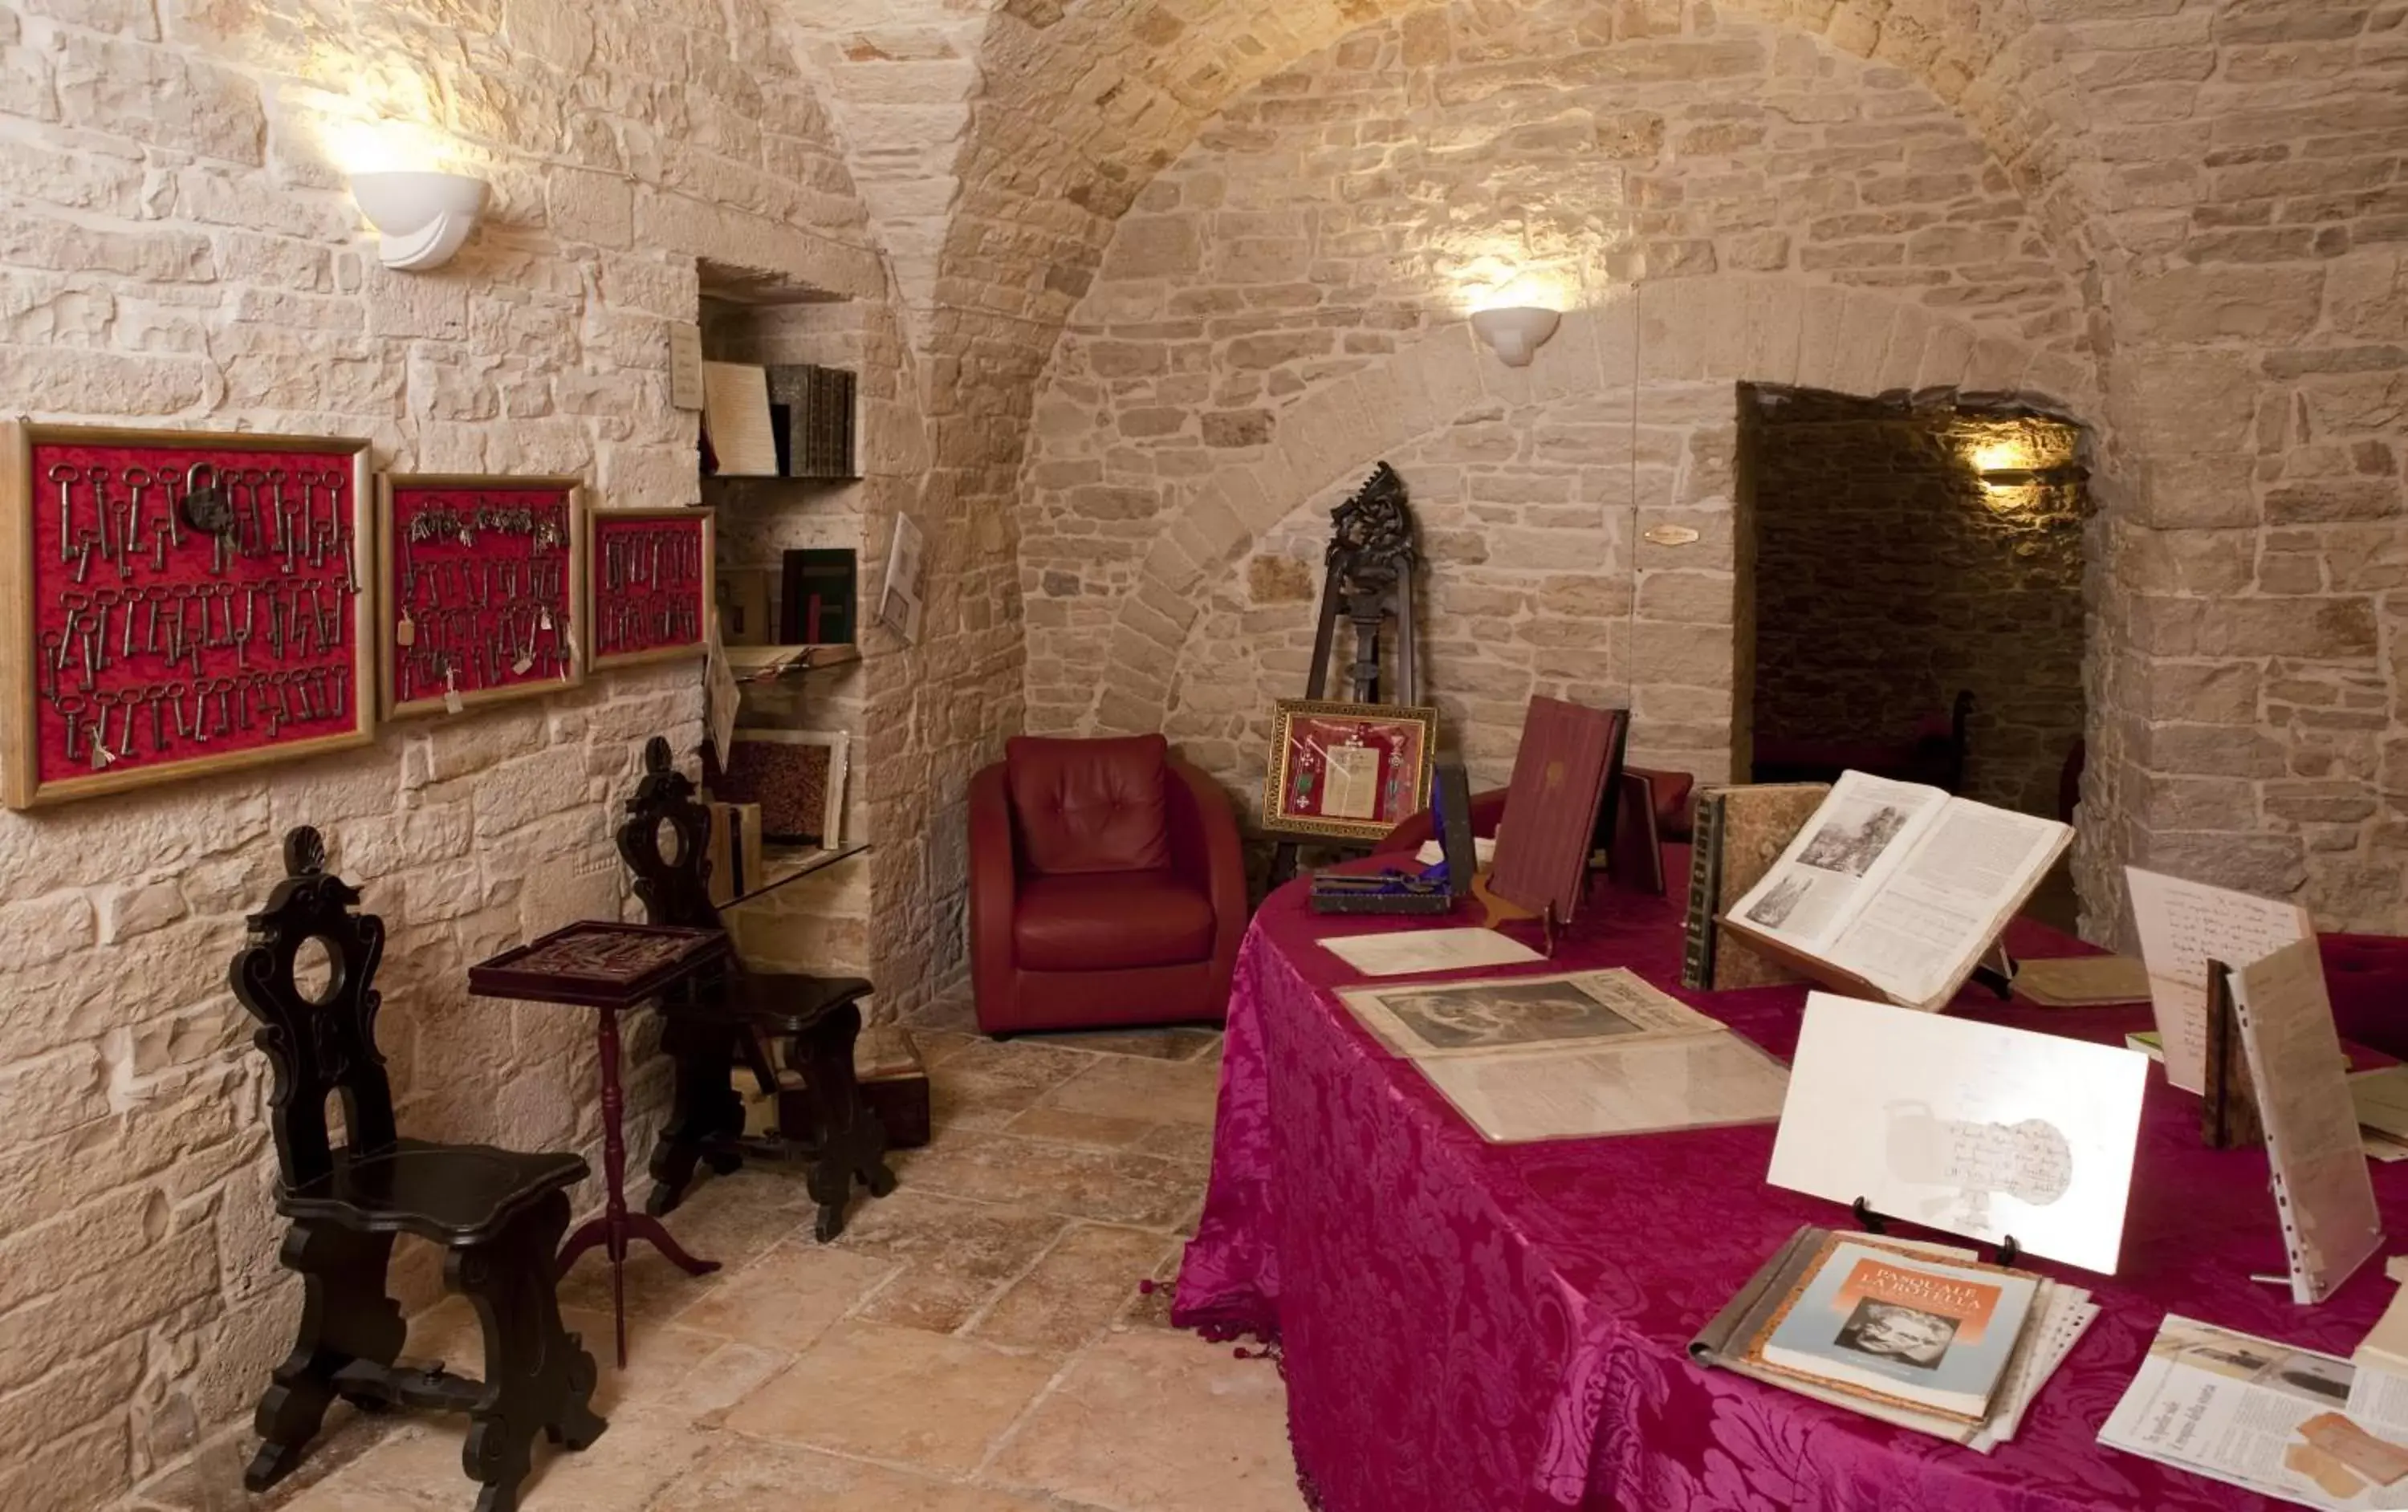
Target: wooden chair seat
<point x="454" y="1195"/>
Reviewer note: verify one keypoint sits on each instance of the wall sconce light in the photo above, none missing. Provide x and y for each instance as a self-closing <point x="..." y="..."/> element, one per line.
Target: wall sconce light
<point x="421" y="218"/>
<point x="1516" y="331"/>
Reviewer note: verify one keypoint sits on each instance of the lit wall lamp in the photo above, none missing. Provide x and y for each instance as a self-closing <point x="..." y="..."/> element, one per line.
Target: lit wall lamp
<point x="1516" y="331"/>
<point x="421" y="218"/>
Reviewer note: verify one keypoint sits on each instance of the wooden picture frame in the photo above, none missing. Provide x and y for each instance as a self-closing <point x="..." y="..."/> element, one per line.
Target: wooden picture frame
<point x="604" y="598"/>
<point x="253" y="705"/>
<point x="1377" y="790"/>
<point x="397" y="592"/>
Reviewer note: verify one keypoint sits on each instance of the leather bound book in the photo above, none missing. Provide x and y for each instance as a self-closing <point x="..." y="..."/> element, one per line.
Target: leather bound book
<point x="1753" y="826"/>
<point x="1570" y="757"/>
<point x="1700" y="936"/>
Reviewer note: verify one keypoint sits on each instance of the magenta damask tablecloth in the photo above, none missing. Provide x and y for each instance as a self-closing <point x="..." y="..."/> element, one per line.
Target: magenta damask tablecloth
<point x="1476" y="1328"/>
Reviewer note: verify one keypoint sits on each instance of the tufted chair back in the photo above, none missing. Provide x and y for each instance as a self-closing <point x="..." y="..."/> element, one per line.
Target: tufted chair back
<point x="1080" y="806"/>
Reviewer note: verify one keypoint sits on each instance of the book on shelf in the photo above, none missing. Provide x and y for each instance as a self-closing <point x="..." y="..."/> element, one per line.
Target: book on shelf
<point x="1737" y="833"/>
<point x="1895" y="890"/>
<point x="1922" y="1335"/>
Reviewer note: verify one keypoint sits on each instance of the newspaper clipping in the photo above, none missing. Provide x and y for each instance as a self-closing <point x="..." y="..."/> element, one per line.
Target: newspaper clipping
<point x="2285" y="1422"/>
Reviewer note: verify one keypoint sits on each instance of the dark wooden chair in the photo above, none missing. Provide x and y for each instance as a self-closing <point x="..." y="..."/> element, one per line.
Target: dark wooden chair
<point x="738" y="1015"/>
<point x="499" y="1214"/>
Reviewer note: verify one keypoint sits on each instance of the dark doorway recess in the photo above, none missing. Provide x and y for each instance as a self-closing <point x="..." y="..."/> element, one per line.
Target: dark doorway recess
<point x="1916" y="603"/>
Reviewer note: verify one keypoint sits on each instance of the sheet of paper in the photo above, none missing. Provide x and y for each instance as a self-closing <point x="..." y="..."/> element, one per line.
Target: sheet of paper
<point x="1483" y="850"/>
<point x="1965" y="1127"/>
<point x="2384" y="1349"/>
<point x="898" y="600"/>
<point x="2259" y="1415"/>
<point x="720" y="695"/>
<point x="736" y="406"/>
<point x="2326" y="1198"/>
<point x="1690" y="1082"/>
<point x="2183" y="925"/>
<point x="1858" y="836"/>
<point x="2381" y="1099"/>
<point x="1488" y="1016"/>
<point x="1405" y="951"/>
<point x="1350" y="774"/>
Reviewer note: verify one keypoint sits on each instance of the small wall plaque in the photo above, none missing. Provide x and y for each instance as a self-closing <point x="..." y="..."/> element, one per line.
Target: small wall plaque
<point x="1671" y="536"/>
<point x="685" y="365"/>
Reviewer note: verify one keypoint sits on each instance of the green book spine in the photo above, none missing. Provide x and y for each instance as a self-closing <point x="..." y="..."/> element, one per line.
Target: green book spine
<point x="1705" y="883"/>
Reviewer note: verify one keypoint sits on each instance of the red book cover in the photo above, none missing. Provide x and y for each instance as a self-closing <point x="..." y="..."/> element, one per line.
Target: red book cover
<point x="1568" y="754"/>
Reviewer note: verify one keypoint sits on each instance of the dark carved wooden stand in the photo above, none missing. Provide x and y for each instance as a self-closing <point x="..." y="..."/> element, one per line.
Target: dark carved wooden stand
<point x="734" y="1014"/>
<point x="608" y="967"/>
<point x="497" y="1213"/>
<point x="1369" y="582"/>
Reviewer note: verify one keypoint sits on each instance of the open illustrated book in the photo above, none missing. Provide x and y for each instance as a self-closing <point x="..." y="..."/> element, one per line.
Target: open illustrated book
<point x="1897" y="889"/>
<point x="1918" y="1335"/>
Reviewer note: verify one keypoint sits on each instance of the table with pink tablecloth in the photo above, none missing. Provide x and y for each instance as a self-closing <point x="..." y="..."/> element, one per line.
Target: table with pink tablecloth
<point x="1476" y="1328"/>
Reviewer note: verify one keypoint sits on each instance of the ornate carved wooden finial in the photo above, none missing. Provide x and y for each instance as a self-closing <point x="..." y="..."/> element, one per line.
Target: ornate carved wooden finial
<point x="1371" y="532"/>
<point x="656" y="755"/>
<point x="305" y="852"/>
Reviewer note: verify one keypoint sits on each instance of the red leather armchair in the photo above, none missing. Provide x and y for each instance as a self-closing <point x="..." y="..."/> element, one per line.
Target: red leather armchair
<point x="1105" y="887"/>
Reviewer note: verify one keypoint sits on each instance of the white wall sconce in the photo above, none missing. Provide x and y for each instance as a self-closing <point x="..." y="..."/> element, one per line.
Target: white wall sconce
<point x="421" y="218"/>
<point x="1516" y="332"/>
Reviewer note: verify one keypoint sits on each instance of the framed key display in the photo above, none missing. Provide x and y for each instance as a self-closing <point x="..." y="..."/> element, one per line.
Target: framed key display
<point x="177" y="603"/>
<point x="651" y="579"/>
<point x="484" y="595"/>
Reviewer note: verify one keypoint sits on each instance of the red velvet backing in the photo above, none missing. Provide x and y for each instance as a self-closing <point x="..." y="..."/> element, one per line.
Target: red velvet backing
<point x="439" y="581"/>
<point x="246" y="675"/>
<point x="613" y="636"/>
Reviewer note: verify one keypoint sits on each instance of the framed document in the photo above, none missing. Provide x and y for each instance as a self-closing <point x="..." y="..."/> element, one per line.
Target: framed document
<point x="1350" y="771"/>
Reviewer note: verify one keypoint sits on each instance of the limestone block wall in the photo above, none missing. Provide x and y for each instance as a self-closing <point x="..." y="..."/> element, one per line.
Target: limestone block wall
<point x="1281" y="308"/>
<point x="1888" y="576"/>
<point x="178" y="249"/>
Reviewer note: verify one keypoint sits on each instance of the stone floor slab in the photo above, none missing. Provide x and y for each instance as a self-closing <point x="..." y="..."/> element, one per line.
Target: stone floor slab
<point x="1153" y="1421"/>
<point x="895" y="1395"/>
<point x="753" y="1477"/>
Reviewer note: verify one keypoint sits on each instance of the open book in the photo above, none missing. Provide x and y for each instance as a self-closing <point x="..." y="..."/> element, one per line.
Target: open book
<point x="1897" y="889"/>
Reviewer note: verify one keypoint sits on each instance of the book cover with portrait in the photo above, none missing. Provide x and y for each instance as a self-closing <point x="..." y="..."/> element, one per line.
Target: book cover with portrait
<point x="1931" y="1334"/>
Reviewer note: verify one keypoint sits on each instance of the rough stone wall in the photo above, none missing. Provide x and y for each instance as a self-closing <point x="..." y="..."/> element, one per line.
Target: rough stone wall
<point x="177" y="249"/>
<point x="1888" y="576"/>
<point x="1781" y="204"/>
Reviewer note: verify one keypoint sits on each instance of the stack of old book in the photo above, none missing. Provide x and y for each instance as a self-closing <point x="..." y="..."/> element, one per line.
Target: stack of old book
<point x="1922" y="1335"/>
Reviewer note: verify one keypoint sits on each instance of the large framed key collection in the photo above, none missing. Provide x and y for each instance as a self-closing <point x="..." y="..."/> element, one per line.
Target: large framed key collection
<point x="176" y="604"/>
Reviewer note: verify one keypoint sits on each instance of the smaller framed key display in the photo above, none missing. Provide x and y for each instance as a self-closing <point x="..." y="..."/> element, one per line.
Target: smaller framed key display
<point x="652" y="577"/>
<point x="484" y="592"/>
<point x="174" y="603"/>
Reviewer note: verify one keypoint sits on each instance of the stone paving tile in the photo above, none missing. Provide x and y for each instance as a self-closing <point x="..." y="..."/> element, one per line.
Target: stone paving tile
<point x="897" y="1395"/>
<point x="1074" y="1291"/>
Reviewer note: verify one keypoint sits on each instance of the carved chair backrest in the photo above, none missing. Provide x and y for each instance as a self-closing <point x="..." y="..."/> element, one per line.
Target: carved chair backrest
<point x="665" y="842"/>
<point x="319" y="1043"/>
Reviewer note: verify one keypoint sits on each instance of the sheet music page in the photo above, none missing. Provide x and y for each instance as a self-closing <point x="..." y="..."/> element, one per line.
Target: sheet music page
<point x="1861" y="835"/>
<point x="1965" y="1127"/>
<point x="2330" y="1220"/>
<point x="1949" y="899"/>
<point x="2183" y="926"/>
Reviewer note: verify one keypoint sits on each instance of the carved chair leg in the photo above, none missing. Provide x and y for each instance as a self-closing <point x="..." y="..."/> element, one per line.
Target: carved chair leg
<point x="851" y="1141"/>
<point x="345" y="1317"/>
<point x="704" y="1108"/>
<point x="537" y="1376"/>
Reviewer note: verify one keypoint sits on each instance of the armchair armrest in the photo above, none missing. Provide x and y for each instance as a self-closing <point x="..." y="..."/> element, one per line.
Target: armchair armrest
<point x="1204" y="845"/>
<point x="995" y="878"/>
